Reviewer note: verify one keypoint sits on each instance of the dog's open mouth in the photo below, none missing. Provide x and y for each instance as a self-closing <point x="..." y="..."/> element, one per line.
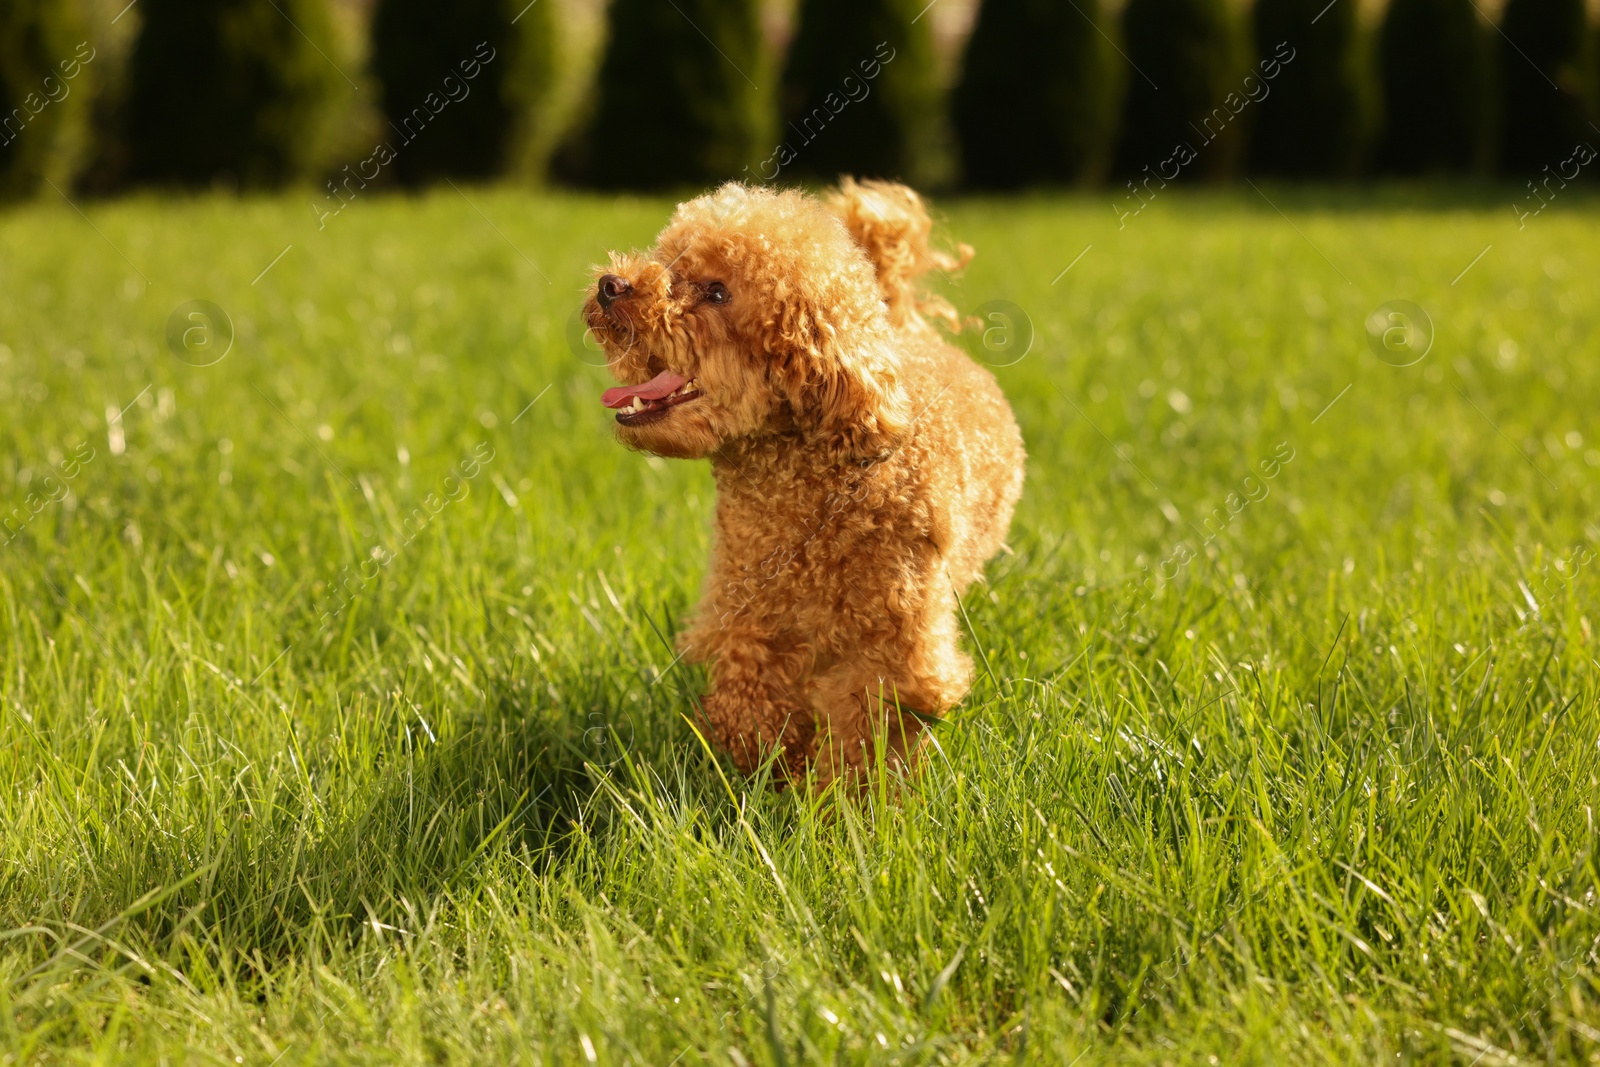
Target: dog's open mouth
<point x="640" y="404"/>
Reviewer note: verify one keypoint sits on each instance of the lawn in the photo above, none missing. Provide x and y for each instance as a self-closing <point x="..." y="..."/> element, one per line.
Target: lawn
<point x="339" y="721"/>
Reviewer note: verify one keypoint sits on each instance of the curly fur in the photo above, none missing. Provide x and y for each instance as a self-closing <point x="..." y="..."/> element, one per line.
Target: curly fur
<point x="865" y="468"/>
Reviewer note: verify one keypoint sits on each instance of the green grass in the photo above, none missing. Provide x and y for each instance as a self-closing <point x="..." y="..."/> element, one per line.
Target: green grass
<point x="1324" y="796"/>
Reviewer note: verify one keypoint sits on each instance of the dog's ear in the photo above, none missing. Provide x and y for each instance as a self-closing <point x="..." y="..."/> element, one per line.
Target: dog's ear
<point x="864" y="409"/>
<point x="845" y="394"/>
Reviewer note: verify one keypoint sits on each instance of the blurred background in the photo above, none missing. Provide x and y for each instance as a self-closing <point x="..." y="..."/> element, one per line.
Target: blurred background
<point x="102" y="96"/>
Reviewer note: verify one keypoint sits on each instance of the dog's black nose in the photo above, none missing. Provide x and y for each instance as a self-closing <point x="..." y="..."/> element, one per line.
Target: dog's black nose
<point x="612" y="289"/>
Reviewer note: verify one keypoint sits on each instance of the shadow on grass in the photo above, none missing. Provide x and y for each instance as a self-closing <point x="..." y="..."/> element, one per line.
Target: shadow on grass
<point x="389" y="821"/>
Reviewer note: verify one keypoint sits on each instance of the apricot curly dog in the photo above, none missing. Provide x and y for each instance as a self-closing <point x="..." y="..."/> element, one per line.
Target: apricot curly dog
<point x="865" y="468"/>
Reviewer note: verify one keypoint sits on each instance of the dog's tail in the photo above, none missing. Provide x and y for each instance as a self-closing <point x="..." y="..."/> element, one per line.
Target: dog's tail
<point x="889" y="221"/>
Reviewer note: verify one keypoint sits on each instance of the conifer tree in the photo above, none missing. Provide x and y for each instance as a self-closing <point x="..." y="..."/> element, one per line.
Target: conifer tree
<point x="46" y="78"/>
<point x="680" y="102"/>
<point x="480" y="71"/>
<point x="1547" y="80"/>
<point x="1036" y="103"/>
<point x="1312" y="122"/>
<point x="1433" y="66"/>
<point x="1187" y="57"/>
<point x="242" y="91"/>
<point x="860" y="93"/>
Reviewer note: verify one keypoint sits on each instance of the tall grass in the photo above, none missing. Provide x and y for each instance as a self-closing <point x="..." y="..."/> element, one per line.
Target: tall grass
<point x="1321" y="792"/>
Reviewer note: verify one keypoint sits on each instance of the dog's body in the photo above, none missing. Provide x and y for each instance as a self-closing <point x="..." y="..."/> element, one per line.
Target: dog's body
<point x="866" y="469"/>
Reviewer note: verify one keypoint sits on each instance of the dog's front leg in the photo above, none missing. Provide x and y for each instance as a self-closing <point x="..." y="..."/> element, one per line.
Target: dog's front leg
<point x="753" y="706"/>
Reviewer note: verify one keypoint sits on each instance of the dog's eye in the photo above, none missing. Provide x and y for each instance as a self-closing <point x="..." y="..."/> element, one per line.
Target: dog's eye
<point x="717" y="293"/>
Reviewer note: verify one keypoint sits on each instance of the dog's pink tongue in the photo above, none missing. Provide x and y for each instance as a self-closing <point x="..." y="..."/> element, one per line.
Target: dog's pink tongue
<point x="662" y="385"/>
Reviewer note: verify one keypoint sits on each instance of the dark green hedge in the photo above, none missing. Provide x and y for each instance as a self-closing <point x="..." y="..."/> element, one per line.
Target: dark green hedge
<point x="255" y="93"/>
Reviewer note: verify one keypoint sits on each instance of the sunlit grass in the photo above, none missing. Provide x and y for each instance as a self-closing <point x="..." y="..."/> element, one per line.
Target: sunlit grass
<point x="1320" y="791"/>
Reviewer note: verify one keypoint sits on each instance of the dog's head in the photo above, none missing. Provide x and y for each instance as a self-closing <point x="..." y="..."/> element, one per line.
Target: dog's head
<point x="757" y="312"/>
